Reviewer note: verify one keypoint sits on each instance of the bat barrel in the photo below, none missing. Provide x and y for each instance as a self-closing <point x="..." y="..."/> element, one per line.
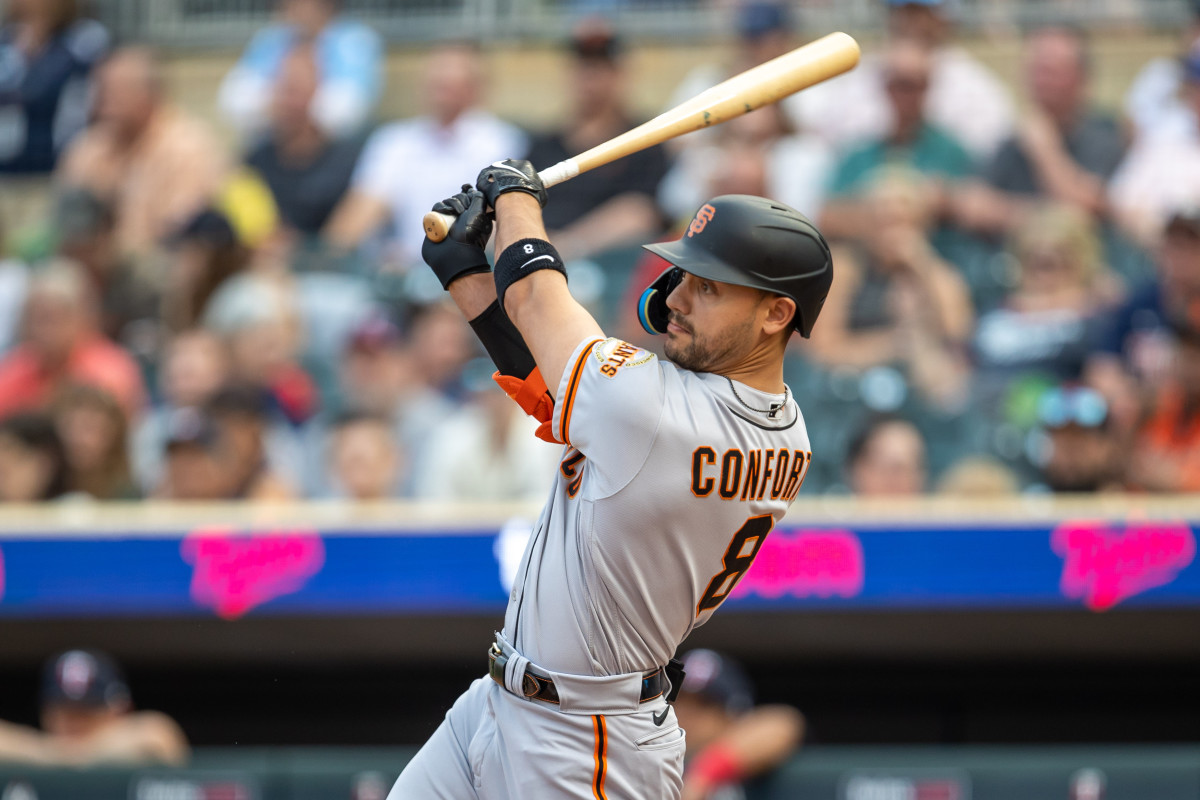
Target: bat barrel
<point x="769" y="82"/>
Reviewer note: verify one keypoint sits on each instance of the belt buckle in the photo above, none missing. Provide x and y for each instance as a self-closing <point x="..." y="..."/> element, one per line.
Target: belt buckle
<point x="497" y="662"/>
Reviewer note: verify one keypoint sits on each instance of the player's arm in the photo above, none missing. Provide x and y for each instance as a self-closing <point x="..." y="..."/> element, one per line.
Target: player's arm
<point x="756" y="742"/>
<point x="146" y="737"/>
<point x="24" y="745"/>
<point x="530" y="278"/>
<point x="355" y="218"/>
<point x="460" y="264"/>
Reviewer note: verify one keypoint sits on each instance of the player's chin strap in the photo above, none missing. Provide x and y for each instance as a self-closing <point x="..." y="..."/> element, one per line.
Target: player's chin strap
<point x="652" y="305"/>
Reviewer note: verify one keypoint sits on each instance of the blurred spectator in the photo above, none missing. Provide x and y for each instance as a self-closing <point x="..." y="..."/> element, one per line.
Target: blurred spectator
<point x="195" y="364"/>
<point x="1063" y="149"/>
<point x="1080" y="451"/>
<point x="378" y="376"/>
<point x="206" y="251"/>
<point x="965" y="99"/>
<point x="14" y="285"/>
<point x="258" y="318"/>
<point x="194" y="470"/>
<point x="439" y="344"/>
<point x="155" y="164"/>
<point x="242" y="420"/>
<point x="1134" y="349"/>
<point x="1167" y="451"/>
<point x="895" y="300"/>
<point x="307" y="172"/>
<point x="486" y="451"/>
<point x="348" y="58"/>
<point x="615" y="203"/>
<point x="730" y="741"/>
<point x="33" y="466"/>
<point x="1047" y="324"/>
<point x="364" y="458"/>
<point x="764" y="32"/>
<point x="911" y="141"/>
<point x="758" y="154"/>
<point x="85" y="228"/>
<point x="1160" y="174"/>
<point x="978" y="477"/>
<point x="87" y="719"/>
<point x="886" y="458"/>
<point x="61" y="344"/>
<point x="408" y="166"/>
<point x="47" y="51"/>
<point x="94" y="434"/>
<point x="1153" y="102"/>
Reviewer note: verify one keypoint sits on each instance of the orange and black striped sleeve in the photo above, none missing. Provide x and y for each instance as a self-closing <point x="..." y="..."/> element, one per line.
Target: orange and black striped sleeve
<point x="566" y="403"/>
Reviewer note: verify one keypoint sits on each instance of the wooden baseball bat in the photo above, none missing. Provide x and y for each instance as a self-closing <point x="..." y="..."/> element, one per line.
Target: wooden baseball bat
<point x="769" y="82"/>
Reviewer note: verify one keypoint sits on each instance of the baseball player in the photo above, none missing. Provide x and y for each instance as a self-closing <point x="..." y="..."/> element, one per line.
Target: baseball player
<point x="671" y="477"/>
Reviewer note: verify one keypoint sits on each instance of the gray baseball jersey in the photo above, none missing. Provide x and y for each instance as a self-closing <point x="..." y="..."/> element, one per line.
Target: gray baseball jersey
<point x="670" y="483"/>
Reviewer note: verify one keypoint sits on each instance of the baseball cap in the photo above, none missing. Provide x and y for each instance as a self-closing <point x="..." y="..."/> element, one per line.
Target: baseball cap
<point x="758" y="18"/>
<point x="373" y="334"/>
<point x="595" y="40"/>
<point x="85" y="678"/>
<point x="718" y="679"/>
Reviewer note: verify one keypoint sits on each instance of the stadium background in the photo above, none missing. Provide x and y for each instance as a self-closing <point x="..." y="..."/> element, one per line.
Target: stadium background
<point x="961" y="656"/>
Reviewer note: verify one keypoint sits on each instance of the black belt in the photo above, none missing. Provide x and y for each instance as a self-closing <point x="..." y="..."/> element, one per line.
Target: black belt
<point x="538" y="687"/>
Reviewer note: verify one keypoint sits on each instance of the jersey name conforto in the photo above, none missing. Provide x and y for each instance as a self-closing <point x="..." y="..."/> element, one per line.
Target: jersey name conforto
<point x="748" y="475"/>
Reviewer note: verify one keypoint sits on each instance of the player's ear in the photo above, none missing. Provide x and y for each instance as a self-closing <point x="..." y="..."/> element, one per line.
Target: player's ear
<point x="780" y="312"/>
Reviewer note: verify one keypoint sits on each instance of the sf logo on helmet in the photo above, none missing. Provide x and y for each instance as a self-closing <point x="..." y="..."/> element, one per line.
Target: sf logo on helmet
<point x="705" y="213"/>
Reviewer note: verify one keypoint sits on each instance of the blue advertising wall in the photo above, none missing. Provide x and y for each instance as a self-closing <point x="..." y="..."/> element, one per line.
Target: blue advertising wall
<point x="1072" y="559"/>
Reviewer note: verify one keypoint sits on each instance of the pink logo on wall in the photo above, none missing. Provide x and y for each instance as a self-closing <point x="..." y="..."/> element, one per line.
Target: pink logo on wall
<point x="806" y="563"/>
<point x="235" y="572"/>
<point x="1104" y="565"/>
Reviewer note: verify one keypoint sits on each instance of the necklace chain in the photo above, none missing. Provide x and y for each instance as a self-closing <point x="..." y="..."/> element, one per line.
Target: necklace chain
<point x="770" y="412"/>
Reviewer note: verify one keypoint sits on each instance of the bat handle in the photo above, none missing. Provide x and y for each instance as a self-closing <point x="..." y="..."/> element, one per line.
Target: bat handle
<point x="437" y="226"/>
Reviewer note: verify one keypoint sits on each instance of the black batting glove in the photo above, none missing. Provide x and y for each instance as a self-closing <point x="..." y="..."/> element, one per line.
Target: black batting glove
<point x="510" y="175"/>
<point x="461" y="252"/>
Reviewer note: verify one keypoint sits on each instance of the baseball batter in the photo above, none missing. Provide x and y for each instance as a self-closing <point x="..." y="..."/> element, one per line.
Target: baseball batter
<point x="672" y="475"/>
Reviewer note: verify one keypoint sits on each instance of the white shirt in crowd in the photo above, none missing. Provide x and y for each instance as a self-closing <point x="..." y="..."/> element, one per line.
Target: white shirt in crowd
<point x="461" y="459"/>
<point x="797" y="170"/>
<point x="965" y="99"/>
<point x="412" y="164"/>
<point x="1154" y="105"/>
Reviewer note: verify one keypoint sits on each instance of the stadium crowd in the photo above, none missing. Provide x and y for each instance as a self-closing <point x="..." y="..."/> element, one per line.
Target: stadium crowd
<point x="1017" y="303"/>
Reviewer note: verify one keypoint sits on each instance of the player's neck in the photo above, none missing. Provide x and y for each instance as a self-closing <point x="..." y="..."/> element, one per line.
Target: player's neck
<point x="758" y="373"/>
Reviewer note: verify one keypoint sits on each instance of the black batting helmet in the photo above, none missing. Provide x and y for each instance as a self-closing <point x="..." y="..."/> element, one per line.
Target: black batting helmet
<point x="747" y="241"/>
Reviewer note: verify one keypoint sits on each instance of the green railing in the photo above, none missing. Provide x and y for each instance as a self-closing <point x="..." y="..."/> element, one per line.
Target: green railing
<point x="229" y="23"/>
<point x="817" y="773"/>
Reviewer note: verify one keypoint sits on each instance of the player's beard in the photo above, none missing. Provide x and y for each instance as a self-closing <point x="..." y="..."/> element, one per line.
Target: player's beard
<point x="703" y="353"/>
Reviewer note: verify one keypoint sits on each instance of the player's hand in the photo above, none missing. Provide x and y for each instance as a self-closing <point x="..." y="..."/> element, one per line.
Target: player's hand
<point x="461" y="252"/>
<point x="510" y="175"/>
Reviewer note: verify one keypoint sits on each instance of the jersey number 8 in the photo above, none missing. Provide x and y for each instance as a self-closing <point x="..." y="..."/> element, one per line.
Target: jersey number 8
<point x="743" y="547"/>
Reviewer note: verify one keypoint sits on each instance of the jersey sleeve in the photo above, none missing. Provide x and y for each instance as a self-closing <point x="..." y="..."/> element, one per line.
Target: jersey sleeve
<point x="609" y="405"/>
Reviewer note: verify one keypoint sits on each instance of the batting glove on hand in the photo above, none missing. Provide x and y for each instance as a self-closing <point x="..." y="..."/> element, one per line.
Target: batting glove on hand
<point x="461" y="252"/>
<point x="510" y="175"/>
